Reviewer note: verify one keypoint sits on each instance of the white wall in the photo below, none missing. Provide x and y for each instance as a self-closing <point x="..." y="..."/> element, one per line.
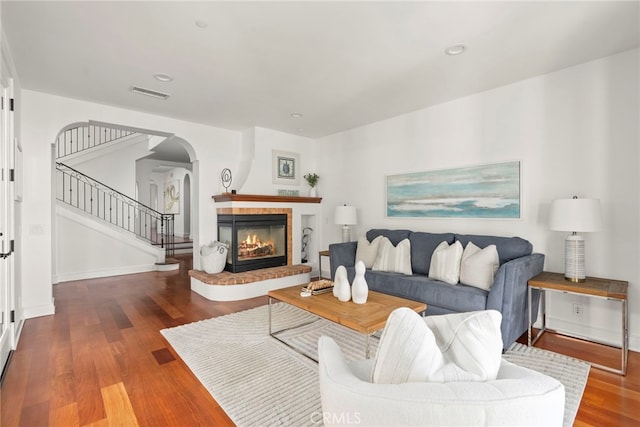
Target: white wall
<point x="575" y="132"/>
<point x="261" y="142"/>
<point x="117" y="167"/>
<point x="44" y="116"/>
<point x="88" y="249"/>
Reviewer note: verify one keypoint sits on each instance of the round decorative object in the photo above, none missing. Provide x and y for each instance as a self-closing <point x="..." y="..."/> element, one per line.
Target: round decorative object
<point x="359" y="288"/>
<point x="226" y="178"/>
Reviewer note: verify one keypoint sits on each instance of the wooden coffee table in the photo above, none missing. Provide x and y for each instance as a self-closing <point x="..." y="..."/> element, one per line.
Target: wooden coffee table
<point x="363" y="318"/>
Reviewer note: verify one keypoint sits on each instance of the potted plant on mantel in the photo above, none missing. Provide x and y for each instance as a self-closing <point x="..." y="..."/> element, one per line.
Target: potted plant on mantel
<point x="312" y="180"/>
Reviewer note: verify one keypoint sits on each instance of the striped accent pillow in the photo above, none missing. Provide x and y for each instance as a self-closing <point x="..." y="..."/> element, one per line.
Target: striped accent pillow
<point x="396" y="259"/>
<point x="445" y="262"/>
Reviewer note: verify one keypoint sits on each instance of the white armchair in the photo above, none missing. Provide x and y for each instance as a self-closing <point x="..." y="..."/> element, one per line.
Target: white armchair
<point x="518" y="397"/>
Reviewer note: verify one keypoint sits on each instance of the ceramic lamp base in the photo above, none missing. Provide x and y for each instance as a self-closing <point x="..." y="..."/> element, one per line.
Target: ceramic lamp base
<point x="574" y="270"/>
<point x="346" y="234"/>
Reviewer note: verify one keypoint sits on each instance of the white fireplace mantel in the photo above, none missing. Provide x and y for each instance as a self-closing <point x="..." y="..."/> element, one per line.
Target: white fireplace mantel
<point x="257" y="198"/>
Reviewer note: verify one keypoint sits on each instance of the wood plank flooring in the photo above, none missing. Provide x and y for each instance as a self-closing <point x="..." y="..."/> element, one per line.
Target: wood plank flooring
<point x="101" y="361"/>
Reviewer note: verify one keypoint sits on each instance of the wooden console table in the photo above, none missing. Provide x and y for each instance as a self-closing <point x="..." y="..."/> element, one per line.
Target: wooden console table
<point x="615" y="290"/>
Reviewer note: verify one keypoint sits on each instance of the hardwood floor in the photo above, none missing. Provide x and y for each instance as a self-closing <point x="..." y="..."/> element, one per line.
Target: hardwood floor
<point x="101" y="361"/>
<point x="609" y="399"/>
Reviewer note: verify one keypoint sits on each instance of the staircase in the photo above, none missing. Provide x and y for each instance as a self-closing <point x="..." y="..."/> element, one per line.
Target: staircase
<point x="104" y="204"/>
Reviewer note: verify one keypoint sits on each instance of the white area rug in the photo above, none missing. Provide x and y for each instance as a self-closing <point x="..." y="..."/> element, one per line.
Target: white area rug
<point x="572" y="373"/>
<point x="258" y="381"/>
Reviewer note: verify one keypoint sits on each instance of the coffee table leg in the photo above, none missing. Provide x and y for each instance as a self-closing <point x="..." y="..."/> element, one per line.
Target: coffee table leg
<point x="270" y="316"/>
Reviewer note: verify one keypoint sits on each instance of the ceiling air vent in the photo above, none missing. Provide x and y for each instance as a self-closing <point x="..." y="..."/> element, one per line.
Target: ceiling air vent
<point x="149" y="92"/>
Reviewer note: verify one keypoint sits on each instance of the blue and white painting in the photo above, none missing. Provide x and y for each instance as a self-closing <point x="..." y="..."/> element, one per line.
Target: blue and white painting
<point x="487" y="191"/>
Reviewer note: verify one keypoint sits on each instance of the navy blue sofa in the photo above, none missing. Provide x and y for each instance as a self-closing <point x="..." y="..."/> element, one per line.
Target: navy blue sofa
<point x="508" y="293"/>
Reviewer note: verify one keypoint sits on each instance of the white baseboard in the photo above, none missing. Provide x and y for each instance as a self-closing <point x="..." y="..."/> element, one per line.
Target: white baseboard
<point x="167" y="267"/>
<point x="96" y="274"/>
<point x="39" y="310"/>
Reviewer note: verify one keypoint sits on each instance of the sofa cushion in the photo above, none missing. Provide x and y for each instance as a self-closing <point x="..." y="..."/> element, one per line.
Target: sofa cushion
<point x="393" y="258"/>
<point x="478" y="266"/>
<point x="508" y="247"/>
<point x="367" y="252"/>
<point x="439" y="296"/>
<point x="422" y="246"/>
<point x="445" y="263"/>
<point x="395" y="236"/>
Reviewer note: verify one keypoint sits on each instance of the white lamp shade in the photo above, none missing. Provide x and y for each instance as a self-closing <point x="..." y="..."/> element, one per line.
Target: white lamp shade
<point x="345" y="215"/>
<point x="575" y="215"/>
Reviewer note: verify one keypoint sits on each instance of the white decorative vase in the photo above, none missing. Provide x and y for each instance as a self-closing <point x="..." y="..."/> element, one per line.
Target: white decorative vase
<point x="359" y="288"/>
<point x="313" y="192"/>
<point x="341" y="288"/>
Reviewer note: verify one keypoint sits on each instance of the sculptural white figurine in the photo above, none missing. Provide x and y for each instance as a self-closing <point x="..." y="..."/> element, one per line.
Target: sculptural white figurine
<point x="341" y="287"/>
<point x="359" y="288"/>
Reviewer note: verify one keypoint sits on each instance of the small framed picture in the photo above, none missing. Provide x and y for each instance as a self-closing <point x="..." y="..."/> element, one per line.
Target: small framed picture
<point x="285" y="168"/>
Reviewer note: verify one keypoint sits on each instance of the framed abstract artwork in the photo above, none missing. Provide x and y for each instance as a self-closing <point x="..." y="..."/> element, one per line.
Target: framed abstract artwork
<point x="285" y="168"/>
<point x="485" y="191"/>
<point x="172" y="197"/>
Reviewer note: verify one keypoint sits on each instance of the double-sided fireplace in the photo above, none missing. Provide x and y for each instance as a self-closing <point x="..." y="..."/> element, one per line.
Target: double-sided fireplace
<point x="254" y="241"/>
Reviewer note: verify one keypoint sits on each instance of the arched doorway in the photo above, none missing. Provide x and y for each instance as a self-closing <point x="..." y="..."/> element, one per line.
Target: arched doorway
<point x="147" y="174"/>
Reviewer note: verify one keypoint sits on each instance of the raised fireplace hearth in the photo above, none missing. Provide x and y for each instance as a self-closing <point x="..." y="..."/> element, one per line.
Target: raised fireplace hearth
<point x="255" y="241"/>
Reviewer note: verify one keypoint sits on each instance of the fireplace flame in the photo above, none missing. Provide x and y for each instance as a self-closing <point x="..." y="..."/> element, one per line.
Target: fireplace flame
<point x="252" y="246"/>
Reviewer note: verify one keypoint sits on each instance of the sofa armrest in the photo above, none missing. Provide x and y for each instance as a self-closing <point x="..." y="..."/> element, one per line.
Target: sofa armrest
<point x="508" y="295"/>
<point x="342" y="254"/>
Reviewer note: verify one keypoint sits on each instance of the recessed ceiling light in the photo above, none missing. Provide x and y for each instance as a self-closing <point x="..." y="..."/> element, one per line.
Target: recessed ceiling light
<point x="149" y="92"/>
<point x="201" y="24"/>
<point x="163" y="77"/>
<point x="300" y="129"/>
<point x="456" y="49"/>
<point x="296" y="115"/>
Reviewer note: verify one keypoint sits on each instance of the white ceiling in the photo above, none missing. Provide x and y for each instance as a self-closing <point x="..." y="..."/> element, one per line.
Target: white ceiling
<point x="340" y="64"/>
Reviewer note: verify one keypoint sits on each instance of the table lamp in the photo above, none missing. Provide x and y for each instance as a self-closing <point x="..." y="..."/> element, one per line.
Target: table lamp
<point x="575" y="215"/>
<point x="345" y="216"/>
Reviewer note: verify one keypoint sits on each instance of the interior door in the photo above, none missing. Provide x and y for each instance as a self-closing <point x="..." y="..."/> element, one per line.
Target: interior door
<point x="5" y="223"/>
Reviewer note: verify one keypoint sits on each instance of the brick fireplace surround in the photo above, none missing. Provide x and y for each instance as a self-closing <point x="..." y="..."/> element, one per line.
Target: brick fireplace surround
<point x="228" y="286"/>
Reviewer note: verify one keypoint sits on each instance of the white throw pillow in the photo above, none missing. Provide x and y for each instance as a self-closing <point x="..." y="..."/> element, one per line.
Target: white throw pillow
<point x="368" y="252"/>
<point x="407" y="350"/>
<point x="447" y="348"/>
<point x="478" y="266"/>
<point x="471" y="345"/>
<point x="393" y="258"/>
<point x="445" y="262"/>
